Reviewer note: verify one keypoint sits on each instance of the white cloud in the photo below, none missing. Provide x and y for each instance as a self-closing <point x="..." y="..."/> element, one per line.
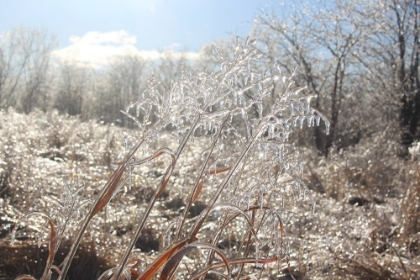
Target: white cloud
<point x="118" y="37"/>
<point x="96" y="49"/>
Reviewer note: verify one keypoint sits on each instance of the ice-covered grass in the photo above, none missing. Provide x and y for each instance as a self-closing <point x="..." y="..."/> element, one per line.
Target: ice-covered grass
<point x="208" y="185"/>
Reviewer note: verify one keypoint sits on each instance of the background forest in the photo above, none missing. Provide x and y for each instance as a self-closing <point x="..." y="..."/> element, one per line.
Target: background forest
<point x="357" y="60"/>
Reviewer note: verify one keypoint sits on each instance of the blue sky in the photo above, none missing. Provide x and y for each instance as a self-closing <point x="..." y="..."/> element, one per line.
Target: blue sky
<point x="92" y="31"/>
<point x="156" y="24"/>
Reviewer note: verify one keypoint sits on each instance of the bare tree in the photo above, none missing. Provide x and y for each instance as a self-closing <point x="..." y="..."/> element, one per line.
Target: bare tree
<point x="169" y="67"/>
<point x="320" y="42"/>
<point x="72" y="87"/>
<point x="391" y="59"/>
<point x="24" y="63"/>
<point x="12" y="66"/>
<point x="125" y="78"/>
<point x="210" y="54"/>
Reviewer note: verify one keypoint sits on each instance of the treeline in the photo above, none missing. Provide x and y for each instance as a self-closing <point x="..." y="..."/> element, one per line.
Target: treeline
<point x="31" y="77"/>
<point x="358" y="59"/>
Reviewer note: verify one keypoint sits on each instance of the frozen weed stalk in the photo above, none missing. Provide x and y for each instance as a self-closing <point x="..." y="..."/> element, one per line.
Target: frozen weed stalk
<point x="238" y="120"/>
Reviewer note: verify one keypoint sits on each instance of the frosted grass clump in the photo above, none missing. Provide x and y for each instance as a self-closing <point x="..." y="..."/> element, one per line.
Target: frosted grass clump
<point x="245" y="169"/>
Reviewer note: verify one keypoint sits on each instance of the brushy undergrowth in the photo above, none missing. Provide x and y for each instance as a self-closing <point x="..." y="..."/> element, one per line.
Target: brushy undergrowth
<point x="208" y="186"/>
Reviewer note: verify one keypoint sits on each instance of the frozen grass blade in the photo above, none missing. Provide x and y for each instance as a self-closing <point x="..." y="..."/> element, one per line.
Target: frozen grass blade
<point x="51" y="245"/>
<point x="199" y="181"/>
<point x="159" y="191"/>
<point x="151" y="270"/>
<point x="223" y="184"/>
<point x="171" y="265"/>
<point x="100" y="203"/>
